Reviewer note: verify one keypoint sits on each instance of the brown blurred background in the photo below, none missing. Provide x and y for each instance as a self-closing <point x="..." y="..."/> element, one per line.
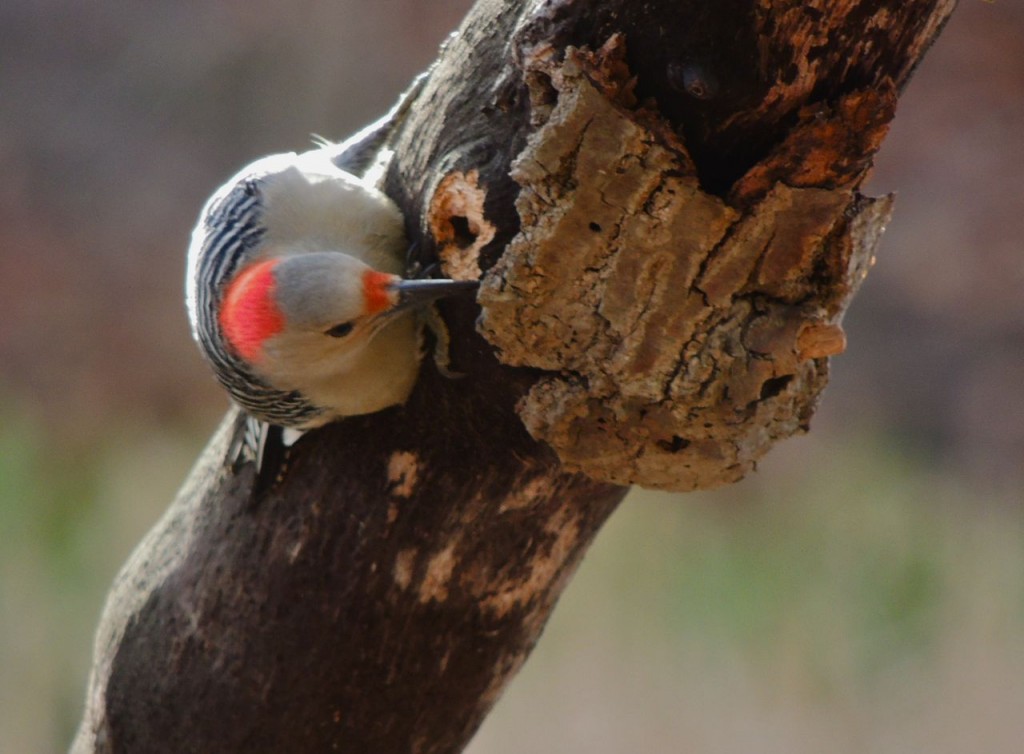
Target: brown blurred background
<point x="864" y="591"/>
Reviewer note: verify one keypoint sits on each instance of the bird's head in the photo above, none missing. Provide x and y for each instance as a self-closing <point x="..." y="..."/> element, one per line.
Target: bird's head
<point x="311" y="314"/>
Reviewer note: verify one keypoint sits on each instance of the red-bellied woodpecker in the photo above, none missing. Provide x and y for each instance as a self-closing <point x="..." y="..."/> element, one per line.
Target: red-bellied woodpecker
<point x="295" y="295"/>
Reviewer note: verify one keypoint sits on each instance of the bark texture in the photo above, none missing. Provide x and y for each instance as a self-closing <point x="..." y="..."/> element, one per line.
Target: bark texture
<point x="662" y="200"/>
<point x="684" y="334"/>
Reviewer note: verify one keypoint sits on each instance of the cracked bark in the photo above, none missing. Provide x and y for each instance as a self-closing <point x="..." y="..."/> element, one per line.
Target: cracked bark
<point x="663" y="201"/>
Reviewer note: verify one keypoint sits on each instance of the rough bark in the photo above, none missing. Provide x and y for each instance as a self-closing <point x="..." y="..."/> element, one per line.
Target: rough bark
<point x="662" y="200"/>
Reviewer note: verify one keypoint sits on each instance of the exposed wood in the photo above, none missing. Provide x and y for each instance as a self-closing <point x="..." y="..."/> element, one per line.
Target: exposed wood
<point x="663" y="200"/>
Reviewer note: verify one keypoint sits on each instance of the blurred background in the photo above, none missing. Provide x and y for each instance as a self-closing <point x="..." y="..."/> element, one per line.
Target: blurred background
<point x="864" y="591"/>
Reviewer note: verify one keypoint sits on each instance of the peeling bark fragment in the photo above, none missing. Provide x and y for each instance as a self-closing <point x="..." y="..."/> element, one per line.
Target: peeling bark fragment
<point x="683" y="336"/>
<point x="817" y="341"/>
<point x="403" y="470"/>
<point x="830" y="147"/>
<point x="800" y="221"/>
<point x="840" y="40"/>
<point x="438" y="575"/>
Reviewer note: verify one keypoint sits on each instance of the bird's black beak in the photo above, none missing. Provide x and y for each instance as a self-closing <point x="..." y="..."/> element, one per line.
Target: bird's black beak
<point x="415" y="293"/>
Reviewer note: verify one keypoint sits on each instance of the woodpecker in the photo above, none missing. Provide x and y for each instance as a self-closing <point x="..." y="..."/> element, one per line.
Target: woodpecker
<point x="295" y="294"/>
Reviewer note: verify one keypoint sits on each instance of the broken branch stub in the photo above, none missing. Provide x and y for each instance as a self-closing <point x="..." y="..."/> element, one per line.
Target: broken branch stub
<point x="682" y="334"/>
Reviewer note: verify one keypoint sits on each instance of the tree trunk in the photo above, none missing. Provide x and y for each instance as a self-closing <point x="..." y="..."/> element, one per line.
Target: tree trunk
<point x="661" y="199"/>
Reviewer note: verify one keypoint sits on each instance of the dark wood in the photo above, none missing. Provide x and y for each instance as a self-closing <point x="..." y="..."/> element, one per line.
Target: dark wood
<point x="380" y="596"/>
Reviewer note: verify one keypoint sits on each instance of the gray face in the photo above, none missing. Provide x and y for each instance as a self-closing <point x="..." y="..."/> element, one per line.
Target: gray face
<point x="321" y="290"/>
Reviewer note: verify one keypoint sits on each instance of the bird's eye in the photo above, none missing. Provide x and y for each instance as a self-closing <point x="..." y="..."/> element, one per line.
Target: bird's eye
<point x="340" y="331"/>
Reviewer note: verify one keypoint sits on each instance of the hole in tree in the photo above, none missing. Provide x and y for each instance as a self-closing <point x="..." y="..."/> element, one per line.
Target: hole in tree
<point x="595" y="227"/>
<point x="463" y="236"/>
<point x="674" y="445"/>
<point x="774" y="386"/>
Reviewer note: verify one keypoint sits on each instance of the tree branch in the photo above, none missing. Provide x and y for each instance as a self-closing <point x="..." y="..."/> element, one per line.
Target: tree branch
<point x="662" y="200"/>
